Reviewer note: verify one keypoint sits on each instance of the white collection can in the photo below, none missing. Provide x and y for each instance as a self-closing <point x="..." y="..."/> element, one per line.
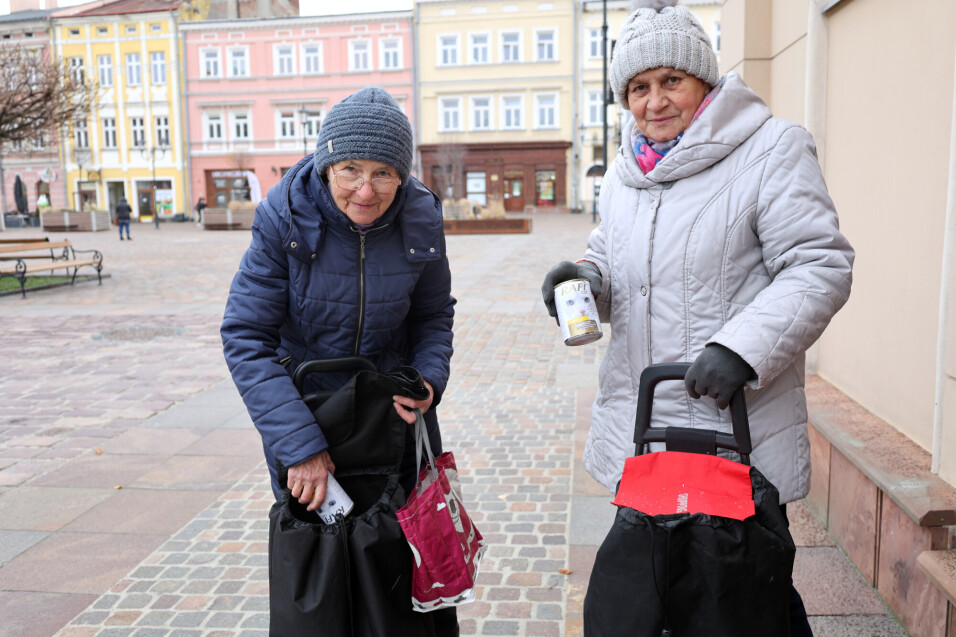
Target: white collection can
<point x="577" y="312"/>
<point x="336" y="502"/>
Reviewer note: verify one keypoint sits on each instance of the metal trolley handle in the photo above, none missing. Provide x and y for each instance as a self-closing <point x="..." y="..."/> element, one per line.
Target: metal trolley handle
<point x="687" y="438"/>
<point x="320" y="365"/>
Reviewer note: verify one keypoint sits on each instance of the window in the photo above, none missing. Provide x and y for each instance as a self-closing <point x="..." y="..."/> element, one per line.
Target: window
<point x="77" y="73"/>
<point x="157" y="65"/>
<point x="358" y="55"/>
<point x="81" y="134"/>
<point x="476" y="187"/>
<point x="286" y="125"/>
<point x="449" y="114"/>
<point x="155" y="26"/>
<point x="104" y="64"/>
<point x="102" y="31"/>
<point x="512" y="108"/>
<point x="481" y="113"/>
<point x="138" y="130"/>
<point x="133" y="71"/>
<point x="715" y="32"/>
<point x="511" y="46"/>
<point x="130" y="28"/>
<point x="391" y="54"/>
<point x="162" y="130"/>
<point x="285" y="60"/>
<point x="448" y="50"/>
<point x="544" y="46"/>
<point x="311" y="125"/>
<point x="240" y="123"/>
<point x="74" y="32"/>
<point x="312" y="58"/>
<point x="479" y="44"/>
<point x="545" y="108"/>
<point x="109" y="132"/>
<point x="213" y="128"/>
<point x="594" y="108"/>
<point x="210" y="63"/>
<point x="238" y="63"/>
<point x="593" y="46"/>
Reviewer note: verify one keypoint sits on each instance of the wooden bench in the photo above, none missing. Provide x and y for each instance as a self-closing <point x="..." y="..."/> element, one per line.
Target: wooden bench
<point x="62" y="227"/>
<point x="235" y="225"/>
<point x="27" y="257"/>
<point x="25" y="240"/>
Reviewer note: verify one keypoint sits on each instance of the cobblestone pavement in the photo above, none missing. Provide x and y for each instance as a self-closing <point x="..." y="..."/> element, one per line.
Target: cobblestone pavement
<point x="133" y="498"/>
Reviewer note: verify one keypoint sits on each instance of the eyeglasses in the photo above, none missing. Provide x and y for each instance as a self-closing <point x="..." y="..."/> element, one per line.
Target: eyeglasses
<point x="353" y="182"/>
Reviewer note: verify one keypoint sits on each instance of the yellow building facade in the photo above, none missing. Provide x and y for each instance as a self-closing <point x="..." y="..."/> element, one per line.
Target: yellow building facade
<point x="132" y="145"/>
<point x="497" y="87"/>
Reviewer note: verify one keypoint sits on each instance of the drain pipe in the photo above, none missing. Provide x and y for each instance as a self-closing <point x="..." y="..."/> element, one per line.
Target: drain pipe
<point x="944" y="293"/>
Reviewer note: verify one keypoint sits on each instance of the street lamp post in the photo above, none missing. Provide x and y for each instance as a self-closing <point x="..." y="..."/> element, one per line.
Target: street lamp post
<point x="151" y="152"/>
<point x="304" y="114"/>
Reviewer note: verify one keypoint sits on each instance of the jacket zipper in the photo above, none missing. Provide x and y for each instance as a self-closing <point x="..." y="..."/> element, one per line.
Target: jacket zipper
<point x="361" y="317"/>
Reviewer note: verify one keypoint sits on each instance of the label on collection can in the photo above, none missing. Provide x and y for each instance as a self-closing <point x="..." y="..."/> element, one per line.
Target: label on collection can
<point x="577" y="312"/>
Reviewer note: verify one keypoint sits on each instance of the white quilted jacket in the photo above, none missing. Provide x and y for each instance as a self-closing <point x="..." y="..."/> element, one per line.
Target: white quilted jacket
<point x="731" y="239"/>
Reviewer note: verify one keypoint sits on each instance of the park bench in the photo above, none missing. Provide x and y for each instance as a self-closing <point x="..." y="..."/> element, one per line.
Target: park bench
<point x="28" y="257"/>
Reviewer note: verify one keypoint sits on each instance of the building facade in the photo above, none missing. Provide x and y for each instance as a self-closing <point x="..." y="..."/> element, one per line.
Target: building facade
<point x="35" y="162"/>
<point x="132" y="145"/>
<point x="497" y="90"/>
<point x="257" y="91"/>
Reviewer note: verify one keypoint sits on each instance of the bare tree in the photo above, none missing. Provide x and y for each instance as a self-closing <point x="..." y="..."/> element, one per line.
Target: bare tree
<point x="38" y="96"/>
<point x="451" y="169"/>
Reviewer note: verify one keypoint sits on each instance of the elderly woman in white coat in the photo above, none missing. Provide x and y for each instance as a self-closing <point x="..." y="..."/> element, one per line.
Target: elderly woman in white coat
<point x="718" y="245"/>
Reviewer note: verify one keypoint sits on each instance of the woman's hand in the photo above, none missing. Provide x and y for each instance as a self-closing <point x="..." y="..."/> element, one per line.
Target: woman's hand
<point x="404" y="405"/>
<point x="308" y="480"/>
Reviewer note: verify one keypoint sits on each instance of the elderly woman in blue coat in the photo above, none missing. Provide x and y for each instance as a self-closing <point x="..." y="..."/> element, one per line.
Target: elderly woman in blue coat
<point x="347" y="259"/>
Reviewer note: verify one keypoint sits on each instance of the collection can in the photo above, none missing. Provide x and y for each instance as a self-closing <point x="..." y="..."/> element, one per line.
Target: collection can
<point x="577" y="312"/>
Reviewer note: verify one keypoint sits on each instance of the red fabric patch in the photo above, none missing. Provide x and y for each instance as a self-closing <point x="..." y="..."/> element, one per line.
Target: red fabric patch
<point x="675" y="482"/>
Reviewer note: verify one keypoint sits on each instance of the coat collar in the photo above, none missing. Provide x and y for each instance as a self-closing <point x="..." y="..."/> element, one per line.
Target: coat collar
<point x="735" y="114"/>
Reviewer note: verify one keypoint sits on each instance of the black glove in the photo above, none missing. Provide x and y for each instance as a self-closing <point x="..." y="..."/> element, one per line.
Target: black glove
<point x="565" y="271"/>
<point x="718" y="372"/>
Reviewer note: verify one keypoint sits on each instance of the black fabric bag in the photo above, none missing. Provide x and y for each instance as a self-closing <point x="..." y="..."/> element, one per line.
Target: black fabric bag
<point x="352" y="578"/>
<point x="693" y="574"/>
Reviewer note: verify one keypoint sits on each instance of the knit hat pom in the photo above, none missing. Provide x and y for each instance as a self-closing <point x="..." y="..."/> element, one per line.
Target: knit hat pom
<point x="656" y="5"/>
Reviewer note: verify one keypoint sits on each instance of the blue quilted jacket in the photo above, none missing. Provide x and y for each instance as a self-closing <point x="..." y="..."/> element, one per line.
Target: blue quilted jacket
<point x="312" y="286"/>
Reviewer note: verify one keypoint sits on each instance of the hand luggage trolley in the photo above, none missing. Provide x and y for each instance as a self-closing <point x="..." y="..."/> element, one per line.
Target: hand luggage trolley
<point x="699" y="545"/>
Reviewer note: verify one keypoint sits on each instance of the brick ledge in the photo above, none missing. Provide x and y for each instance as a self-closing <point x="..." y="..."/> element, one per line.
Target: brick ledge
<point x="895" y="464"/>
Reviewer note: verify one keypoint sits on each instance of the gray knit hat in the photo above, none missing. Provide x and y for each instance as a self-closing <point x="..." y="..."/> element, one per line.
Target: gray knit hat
<point x="658" y="34"/>
<point x="366" y="125"/>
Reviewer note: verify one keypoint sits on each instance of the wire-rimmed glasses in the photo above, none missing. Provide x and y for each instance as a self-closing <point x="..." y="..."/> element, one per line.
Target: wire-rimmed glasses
<point x="353" y="182"/>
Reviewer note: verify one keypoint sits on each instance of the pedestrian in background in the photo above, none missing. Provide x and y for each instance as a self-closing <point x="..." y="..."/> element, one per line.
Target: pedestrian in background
<point x="122" y="217"/>
<point x="200" y="206"/>
<point x="347" y="259"/>
<point x="718" y="245"/>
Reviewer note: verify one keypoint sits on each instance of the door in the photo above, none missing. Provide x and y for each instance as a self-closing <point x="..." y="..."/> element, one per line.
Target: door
<point x="514" y="191"/>
<point x="145" y="199"/>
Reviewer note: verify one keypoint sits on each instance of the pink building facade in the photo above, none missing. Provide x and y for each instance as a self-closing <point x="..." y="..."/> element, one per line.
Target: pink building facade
<point x="257" y="90"/>
<point x="37" y="161"/>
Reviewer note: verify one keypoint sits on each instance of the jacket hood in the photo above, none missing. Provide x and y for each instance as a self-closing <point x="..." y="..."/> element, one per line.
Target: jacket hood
<point x="734" y="115"/>
<point x="305" y="211"/>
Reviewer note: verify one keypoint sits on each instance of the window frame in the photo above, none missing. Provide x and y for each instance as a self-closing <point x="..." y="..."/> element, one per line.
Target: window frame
<point x="353" y="53"/>
<point x="153" y="64"/>
<point x="319" y="58"/>
<point x="246" y="123"/>
<point x="538" y="125"/>
<point x="283" y="54"/>
<point x="231" y="60"/>
<point x="507" y="109"/>
<point x="489" y="111"/>
<point x="104" y="69"/>
<point x="385" y="51"/>
<point x="204" y="63"/>
<point x="502" y="46"/>
<point x="161" y="125"/>
<point x="472" y="48"/>
<point x="553" y="46"/>
<point x="81" y="134"/>
<point x="134" y="70"/>
<point x="444" y="111"/>
<point x="211" y="119"/>
<point x="137" y="131"/>
<point x="454" y="49"/>
<point x="108" y="125"/>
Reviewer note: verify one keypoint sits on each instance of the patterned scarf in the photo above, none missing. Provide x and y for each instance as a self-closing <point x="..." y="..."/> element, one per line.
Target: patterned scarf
<point x="648" y="152"/>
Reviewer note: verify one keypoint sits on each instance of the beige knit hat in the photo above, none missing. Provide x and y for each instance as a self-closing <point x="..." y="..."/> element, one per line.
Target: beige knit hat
<point x="657" y="34"/>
